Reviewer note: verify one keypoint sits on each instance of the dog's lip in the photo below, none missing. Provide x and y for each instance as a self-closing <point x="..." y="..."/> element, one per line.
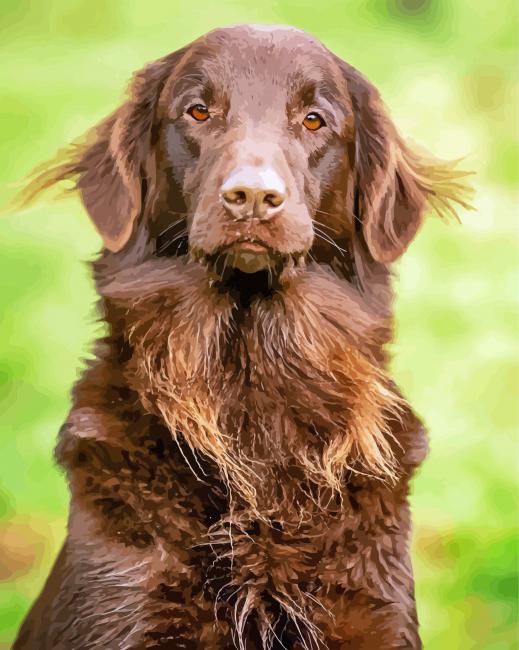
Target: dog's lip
<point x="253" y="247"/>
<point x="246" y="253"/>
<point x="249" y="245"/>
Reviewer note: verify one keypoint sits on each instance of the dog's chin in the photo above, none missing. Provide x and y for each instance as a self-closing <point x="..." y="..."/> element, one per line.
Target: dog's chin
<point x="250" y="257"/>
<point x="249" y="269"/>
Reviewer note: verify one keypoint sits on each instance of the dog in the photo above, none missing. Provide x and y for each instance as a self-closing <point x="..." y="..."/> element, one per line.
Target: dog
<point x="237" y="454"/>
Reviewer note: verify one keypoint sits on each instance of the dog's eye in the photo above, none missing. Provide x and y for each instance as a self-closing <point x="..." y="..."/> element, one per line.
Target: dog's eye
<point x="198" y="112"/>
<point x="313" y="121"/>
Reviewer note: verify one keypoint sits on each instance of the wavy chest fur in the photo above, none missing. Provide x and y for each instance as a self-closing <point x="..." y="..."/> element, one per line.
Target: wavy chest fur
<point x="231" y="462"/>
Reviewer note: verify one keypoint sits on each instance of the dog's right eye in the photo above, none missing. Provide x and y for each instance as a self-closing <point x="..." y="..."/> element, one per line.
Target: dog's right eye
<point x="313" y="122"/>
<point x="198" y="112"/>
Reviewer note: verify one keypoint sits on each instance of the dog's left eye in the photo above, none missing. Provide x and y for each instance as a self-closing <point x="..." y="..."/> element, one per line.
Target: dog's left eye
<point x="313" y="121"/>
<point x="199" y="112"/>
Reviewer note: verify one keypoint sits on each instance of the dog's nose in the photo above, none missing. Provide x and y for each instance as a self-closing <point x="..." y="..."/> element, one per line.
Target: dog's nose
<point x="253" y="192"/>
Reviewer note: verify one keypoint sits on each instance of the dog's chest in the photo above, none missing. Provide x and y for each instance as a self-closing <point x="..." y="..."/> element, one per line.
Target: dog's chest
<point x="169" y="509"/>
<point x="158" y="492"/>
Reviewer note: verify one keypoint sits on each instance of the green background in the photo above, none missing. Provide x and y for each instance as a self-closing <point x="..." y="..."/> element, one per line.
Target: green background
<point x="447" y="71"/>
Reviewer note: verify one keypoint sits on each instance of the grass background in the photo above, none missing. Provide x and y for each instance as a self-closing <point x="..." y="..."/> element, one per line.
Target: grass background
<point x="448" y="72"/>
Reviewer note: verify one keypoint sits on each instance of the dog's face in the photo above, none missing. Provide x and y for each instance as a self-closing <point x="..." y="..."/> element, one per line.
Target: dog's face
<point x="252" y="150"/>
<point x="255" y="127"/>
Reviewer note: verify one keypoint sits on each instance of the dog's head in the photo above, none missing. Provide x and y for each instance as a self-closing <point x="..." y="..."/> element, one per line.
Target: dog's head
<point x="249" y="150"/>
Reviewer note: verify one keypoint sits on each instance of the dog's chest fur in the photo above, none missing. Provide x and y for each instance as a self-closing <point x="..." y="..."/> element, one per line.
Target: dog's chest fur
<point x="272" y="570"/>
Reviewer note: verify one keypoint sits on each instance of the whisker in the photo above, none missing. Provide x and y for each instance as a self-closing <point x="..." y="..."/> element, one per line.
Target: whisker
<point x="323" y="234"/>
<point x="330" y="241"/>
<point x="328" y="214"/>
<point x="181" y="236"/>
<point x="170" y="226"/>
<point x="347" y="213"/>
<point x="325" y="225"/>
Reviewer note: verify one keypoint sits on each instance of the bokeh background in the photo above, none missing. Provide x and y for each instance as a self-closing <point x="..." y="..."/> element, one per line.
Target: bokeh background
<point x="448" y="72"/>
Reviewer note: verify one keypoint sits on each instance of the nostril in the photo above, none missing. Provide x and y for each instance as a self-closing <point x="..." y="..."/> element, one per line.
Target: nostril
<point x="273" y="199"/>
<point x="235" y="197"/>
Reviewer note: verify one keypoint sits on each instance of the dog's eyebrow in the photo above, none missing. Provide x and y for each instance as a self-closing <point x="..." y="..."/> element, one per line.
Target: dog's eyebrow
<point x="308" y="89"/>
<point x="333" y="114"/>
<point x="191" y="84"/>
<point x="318" y="92"/>
<point x="303" y="90"/>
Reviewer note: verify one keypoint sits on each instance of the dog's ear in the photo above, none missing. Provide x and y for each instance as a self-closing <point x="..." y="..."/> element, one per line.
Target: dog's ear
<point x="108" y="165"/>
<point x="109" y="173"/>
<point x="394" y="186"/>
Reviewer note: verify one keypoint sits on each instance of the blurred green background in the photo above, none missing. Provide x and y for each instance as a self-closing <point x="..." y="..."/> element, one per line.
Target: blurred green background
<point x="448" y="72"/>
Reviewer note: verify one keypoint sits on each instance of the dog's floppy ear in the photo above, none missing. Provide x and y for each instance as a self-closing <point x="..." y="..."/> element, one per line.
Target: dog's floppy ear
<point x="109" y="173"/>
<point x="107" y="166"/>
<point x="393" y="185"/>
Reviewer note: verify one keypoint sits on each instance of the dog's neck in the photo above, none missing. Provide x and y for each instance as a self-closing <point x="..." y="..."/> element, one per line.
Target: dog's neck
<point x="294" y="380"/>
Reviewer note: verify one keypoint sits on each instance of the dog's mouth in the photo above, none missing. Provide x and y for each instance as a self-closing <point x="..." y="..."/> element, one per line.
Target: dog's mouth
<point x="248" y="267"/>
<point x="247" y="254"/>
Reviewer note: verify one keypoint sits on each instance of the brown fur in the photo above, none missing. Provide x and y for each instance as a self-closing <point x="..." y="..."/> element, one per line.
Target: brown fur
<point x="238" y="455"/>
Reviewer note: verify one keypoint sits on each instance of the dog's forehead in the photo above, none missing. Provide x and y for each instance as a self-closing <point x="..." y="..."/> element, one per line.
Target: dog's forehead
<point x="252" y="55"/>
<point x="258" y="36"/>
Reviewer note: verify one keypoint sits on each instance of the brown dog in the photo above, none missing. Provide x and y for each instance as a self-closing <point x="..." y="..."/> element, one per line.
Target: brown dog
<point x="238" y="456"/>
